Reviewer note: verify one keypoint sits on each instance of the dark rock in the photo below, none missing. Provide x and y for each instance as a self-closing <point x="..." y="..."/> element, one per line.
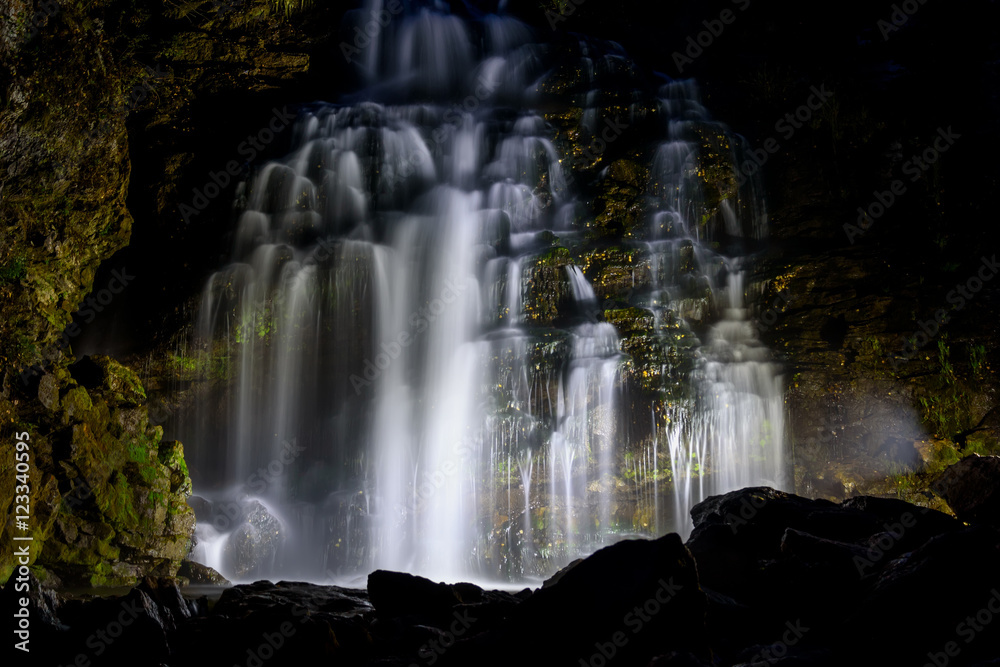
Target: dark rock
<point x="971" y="488"/>
<point x="812" y="658"/>
<point x="636" y="599"/>
<point x="723" y="564"/>
<point x="43" y="605"/>
<point x="760" y="514"/>
<point x="239" y="600"/>
<point x="201" y="575"/>
<point x="814" y="549"/>
<point x="559" y="573"/>
<point x="825" y="559"/>
<point x="911" y="526"/>
<point x="128" y="629"/>
<point x="400" y="594"/>
<point x="756" y="517"/>
<point x="674" y="659"/>
<point x="165" y="592"/>
<point x="253" y="544"/>
<point x="419" y="601"/>
<point x="734" y="625"/>
<point x="296" y="623"/>
<point x="936" y="594"/>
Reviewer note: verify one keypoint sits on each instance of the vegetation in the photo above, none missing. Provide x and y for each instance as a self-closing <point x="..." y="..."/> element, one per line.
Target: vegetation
<point x="13" y="269"/>
<point x="289" y="7"/>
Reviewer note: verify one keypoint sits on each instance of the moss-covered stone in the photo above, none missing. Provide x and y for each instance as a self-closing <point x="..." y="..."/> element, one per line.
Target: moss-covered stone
<point x="547" y="294"/>
<point x="620" y="203"/>
<point x="65" y="159"/>
<point x="660" y="351"/>
<point x="108" y="499"/>
<point x="715" y="169"/>
<point x="617" y="273"/>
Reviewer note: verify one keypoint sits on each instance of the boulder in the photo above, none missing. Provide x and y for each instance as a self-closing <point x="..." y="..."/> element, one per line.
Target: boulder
<point x="971" y="488"/>
<point x="770" y="558"/>
<point x="253" y="545"/>
<point x="633" y="600"/>
<point x="400" y="594"/>
<point x="201" y="575"/>
<point x="946" y="593"/>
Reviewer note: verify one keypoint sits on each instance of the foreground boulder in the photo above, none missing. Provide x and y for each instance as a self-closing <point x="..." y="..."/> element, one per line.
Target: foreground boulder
<point x="631" y="602"/>
<point x="971" y="488"/>
<point x="943" y="599"/>
<point x="815" y="582"/>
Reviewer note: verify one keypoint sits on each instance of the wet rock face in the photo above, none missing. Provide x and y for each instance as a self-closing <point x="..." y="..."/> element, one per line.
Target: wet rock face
<point x="253" y="544"/>
<point x="107" y="495"/>
<point x="66" y="165"/>
<point x="197" y="574"/>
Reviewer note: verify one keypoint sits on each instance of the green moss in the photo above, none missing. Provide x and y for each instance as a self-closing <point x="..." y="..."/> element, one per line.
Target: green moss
<point x="977" y="361"/>
<point x="124" y="385"/>
<point x="873" y="358"/>
<point x="555" y="257"/>
<point x="13" y="269"/>
<point x="945" y="406"/>
<point x="171" y="454"/>
<point x="116" y="501"/>
<point x="76" y="403"/>
<point x="629" y="320"/>
<point x="547" y="293"/>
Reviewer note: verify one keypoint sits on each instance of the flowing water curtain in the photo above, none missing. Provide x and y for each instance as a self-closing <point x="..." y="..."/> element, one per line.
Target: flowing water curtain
<point x="403" y="303"/>
<point x="730" y="432"/>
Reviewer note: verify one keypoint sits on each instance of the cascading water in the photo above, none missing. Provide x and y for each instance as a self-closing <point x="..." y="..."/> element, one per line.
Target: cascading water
<point x="731" y="435"/>
<point x="420" y="375"/>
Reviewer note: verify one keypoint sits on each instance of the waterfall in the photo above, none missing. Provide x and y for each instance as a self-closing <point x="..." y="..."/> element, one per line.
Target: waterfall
<point x="730" y="433"/>
<point x="415" y="367"/>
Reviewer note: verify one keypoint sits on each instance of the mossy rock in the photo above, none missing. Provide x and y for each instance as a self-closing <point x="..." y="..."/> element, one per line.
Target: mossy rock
<point x="620" y="203"/>
<point x="617" y="273"/>
<point x="107" y="490"/>
<point x="76" y="405"/>
<point x="547" y="294"/>
<point x="120" y="385"/>
<point x="630" y="320"/>
<point x="171" y="455"/>
<point x="715" y="168"/>
<point x="66" y="209"/>
<point x="661" y="357"/>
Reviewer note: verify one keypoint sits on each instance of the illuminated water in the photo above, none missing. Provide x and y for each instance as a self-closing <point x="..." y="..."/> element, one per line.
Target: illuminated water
<point x="413" y="380"/>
